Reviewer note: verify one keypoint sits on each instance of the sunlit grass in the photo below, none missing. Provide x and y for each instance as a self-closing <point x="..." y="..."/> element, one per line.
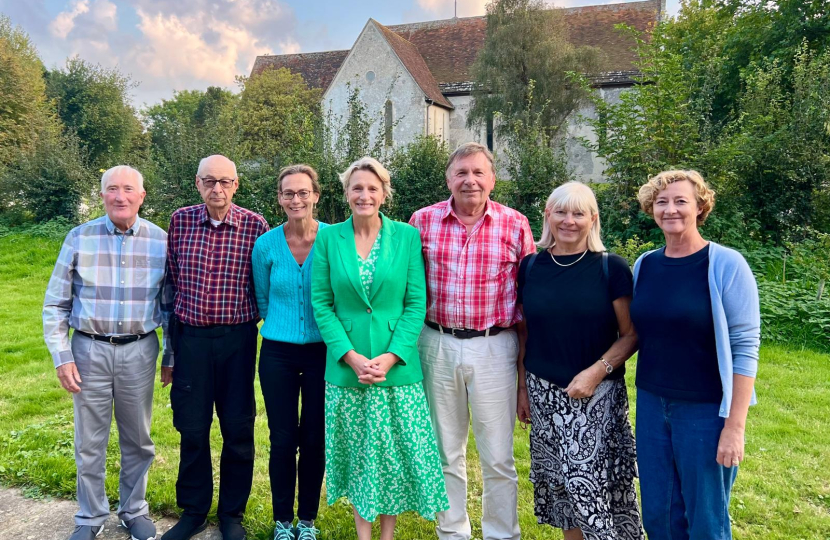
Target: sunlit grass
<point x="782" y="492"/>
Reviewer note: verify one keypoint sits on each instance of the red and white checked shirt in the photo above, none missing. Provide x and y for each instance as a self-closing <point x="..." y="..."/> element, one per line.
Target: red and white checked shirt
<point x="210" y="267"/>
<point x="471" y="280"/>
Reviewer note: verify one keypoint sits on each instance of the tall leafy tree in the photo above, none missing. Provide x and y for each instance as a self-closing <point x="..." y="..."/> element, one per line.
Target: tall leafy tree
<point x="24" y="107"/>
<point x="94" y="102"/>
<point x="526" y="41"/>
<point x="183" y="130"/>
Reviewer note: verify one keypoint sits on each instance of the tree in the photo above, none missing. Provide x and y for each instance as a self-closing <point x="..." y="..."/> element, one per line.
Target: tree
<point x="535" y="162"/>
<point x="526" y="42"/>
<point x="94" y="102"/>
<point x="418" y="176"/>
<point x="276" y="117"/>
<point x="183" y="130"/>
<point x="49" y="180"/>
<point x="24" y="108"/>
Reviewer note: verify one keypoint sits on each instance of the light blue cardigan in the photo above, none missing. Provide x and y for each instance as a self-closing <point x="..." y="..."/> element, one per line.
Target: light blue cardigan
<point x="283" y="290"/>
<point x="736" y="313"/>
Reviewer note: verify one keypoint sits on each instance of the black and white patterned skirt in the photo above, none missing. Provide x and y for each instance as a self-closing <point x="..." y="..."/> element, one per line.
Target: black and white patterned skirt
<point x="583" y="461"/>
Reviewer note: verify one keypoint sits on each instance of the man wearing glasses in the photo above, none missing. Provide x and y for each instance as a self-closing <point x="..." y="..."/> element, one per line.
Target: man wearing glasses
<point x="214" y="354"/>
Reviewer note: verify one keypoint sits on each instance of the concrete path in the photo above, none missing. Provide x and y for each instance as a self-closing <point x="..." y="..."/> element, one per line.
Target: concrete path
<point x="51" y="519"/>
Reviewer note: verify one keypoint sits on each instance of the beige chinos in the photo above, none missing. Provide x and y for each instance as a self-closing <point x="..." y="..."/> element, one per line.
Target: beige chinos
<point x="474" y="378"/>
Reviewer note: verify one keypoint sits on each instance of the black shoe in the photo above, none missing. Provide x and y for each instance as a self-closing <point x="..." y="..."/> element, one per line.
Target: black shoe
<point x="232" y="530"/>
<point x="187" y="527"/>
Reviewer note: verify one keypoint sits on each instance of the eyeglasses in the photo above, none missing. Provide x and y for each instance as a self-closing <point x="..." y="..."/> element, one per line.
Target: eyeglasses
<point x="210" y="183"/>
<point x="303" y="194"/>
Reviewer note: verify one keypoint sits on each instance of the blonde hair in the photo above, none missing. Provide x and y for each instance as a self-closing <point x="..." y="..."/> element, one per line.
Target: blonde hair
<point x="573" y="196"/>
<point x="372" y="165"/>
<point x="704" y="195"/>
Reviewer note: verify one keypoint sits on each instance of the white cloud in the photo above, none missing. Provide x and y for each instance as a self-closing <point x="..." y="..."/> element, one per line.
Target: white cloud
<point x="211" y="44"/>
<point x="65" y="21"/>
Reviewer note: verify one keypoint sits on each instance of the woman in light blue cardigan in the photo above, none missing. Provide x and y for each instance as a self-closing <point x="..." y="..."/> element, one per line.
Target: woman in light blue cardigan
<point x="292" y="359"/>
<point x="697" y="316"/>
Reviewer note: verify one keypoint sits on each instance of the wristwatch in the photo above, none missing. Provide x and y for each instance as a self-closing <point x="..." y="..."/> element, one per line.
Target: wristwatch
<point x="608" y="367"/>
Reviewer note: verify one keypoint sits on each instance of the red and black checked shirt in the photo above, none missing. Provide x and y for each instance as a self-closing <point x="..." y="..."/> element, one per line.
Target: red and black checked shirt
<point x="210" y="267"/>
<point x="471" y="280"/>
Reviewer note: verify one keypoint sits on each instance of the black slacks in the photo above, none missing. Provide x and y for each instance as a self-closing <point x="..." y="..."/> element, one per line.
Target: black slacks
<point x="215" y="365"/>
<point x="286" y="372"/>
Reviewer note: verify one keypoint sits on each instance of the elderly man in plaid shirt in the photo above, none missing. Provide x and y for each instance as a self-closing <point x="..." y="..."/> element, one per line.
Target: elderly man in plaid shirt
<point x="108" y="285"/>
<point x="472" y="248"/>
<point x="209" y="263"/>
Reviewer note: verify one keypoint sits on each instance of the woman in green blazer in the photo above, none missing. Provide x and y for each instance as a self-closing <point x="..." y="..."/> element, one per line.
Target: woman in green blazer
<point x="369" y="297"/>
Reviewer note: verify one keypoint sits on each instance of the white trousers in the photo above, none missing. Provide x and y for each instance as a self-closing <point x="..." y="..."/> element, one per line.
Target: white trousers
<point x="478" y="376"/>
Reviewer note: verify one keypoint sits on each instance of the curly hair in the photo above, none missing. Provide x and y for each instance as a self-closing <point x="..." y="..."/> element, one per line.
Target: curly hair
<point x="704" y="195"/>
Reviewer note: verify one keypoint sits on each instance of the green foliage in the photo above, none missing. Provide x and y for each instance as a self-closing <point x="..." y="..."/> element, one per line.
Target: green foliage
<point x="276" y="121"/>
<point x="340" y="142"/>
<point x="631" y="249"/>
<point x="418" y="176"/>
<point x="536" y="163"/>
<point x="94" y="102"/>
<point x="651" y="128"/>
<point x="48" y="181"/>
<point x="24" y="110"/>
<point x="526" y="41"/>
<point x="183" y="130"/>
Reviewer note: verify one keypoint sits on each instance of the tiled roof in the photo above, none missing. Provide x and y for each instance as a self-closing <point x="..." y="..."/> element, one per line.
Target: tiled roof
<point x="414" y="63"/>
<point x="449" y="47"/>
<point x="318" y="69"/>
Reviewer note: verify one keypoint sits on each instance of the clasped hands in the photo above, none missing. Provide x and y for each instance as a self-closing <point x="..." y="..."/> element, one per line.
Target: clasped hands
<point x="370" y="371"/>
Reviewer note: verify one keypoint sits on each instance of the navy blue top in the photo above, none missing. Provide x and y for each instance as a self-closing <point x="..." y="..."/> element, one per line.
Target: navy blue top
<point x="672" y="312"/>
<point x="570" y="314"/>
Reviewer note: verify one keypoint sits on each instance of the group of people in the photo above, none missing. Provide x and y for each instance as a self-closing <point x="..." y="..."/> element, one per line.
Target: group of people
<point x="382" y="342"/>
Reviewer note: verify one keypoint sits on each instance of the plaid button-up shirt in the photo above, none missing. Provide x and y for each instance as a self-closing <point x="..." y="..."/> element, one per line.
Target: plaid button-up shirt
<point x="471" y="279"/>
<point x="107" y="282"/>
<point x="210" y="267"/>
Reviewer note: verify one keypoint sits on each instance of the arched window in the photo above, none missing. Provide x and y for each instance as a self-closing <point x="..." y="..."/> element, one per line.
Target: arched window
<point x="387" y="116"/>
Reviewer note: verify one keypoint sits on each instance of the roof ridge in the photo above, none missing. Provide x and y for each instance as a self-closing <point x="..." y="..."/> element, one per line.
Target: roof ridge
<point x="421" y="74"/>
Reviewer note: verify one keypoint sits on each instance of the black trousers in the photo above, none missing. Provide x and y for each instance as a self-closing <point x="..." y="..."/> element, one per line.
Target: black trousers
<point x="286" y="372"/>
<point x="215" y="365"/>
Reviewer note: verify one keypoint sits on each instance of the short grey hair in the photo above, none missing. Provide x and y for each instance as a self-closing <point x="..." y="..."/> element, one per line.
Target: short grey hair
<point x="121" y="169"/>
<point x="203" y="164"/>
<point x="469" y="149"/>
<point x="372" y="165"/>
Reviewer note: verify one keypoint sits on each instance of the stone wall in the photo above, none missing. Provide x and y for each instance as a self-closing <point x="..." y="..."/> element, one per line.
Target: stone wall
<point x="386" y="79"/>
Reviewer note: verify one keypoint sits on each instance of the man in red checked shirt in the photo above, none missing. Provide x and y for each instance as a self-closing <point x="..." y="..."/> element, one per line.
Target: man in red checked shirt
<point x="214" y="354"/>
<point x="469" y="348"/>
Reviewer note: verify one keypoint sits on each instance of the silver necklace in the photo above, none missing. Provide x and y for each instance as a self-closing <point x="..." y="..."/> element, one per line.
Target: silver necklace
<point x="569" y="264"/>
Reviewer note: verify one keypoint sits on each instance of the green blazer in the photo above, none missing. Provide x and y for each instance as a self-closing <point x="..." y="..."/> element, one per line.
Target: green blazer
<point x="388" y="320"/>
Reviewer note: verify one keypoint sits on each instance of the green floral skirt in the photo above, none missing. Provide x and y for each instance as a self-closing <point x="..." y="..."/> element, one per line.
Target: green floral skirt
<point x="381" y="452"/>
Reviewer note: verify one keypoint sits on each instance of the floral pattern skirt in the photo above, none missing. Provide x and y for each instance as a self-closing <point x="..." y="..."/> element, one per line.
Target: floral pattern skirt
<point x="583" y="460"/>
<point x="381" y="452"/>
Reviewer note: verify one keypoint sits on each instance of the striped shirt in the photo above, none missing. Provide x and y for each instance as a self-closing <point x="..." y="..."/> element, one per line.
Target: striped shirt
<point x="210" y="266"/>
<point x="107" y="282"/>
<point x="471" y="279"/>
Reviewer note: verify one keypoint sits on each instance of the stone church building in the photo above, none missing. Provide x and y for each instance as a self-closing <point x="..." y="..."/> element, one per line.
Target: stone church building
<point x="415" y="78"/>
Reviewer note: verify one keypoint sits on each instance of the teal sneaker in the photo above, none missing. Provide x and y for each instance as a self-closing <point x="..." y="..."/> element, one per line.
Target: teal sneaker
<point x="306" y="532"/>
<point x="283" y="531"/>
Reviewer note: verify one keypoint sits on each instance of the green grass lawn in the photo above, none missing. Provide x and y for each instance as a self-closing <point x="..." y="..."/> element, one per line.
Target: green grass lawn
<point x="782" y="491"/>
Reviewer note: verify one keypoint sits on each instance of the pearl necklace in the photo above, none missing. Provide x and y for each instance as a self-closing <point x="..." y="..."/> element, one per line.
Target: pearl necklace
<point x="569" y="264"/>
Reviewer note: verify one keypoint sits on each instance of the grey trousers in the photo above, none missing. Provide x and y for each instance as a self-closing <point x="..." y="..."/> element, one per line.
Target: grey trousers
<point x="119" y="377"/>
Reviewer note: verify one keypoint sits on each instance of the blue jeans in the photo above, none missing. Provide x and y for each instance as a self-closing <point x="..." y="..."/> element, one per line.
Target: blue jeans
<point x="685" y="492"/>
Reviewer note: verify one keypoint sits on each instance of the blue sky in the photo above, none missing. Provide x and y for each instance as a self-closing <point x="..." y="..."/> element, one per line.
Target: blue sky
<point x="168" y="45"/>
